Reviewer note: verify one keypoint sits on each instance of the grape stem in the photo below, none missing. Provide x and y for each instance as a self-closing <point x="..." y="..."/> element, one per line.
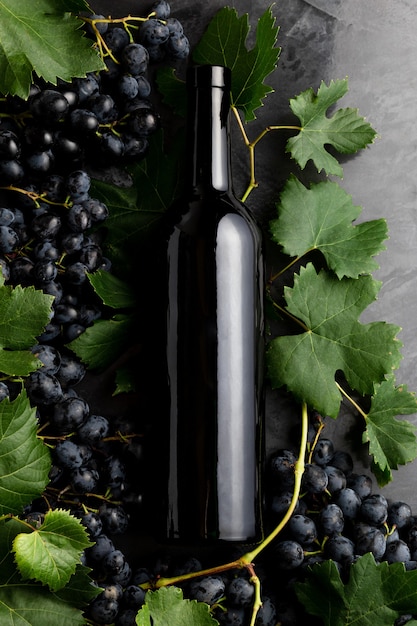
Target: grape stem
<point x="17" y="519"/>
<point x="36" y="197"/>
<point x="119" y="436"/>
<point x="316" y="438"/>
<point x="103" y="48"/>
<point x="257" y="603"/>
<point x="292" y="317"/>
<point x="352" y="401"/>
<point x="251" y="145"/>
<point x="287" y="267"/>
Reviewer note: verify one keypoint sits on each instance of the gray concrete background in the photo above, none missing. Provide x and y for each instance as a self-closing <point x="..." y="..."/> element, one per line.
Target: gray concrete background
<point x="373" y="43"/>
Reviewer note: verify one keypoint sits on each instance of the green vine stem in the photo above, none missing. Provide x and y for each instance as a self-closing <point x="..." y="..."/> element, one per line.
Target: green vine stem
<point x="316" y="438"/>
<point x="288" y="266"/>
<point x="298" y="471"/>
<point x="251" y="145"/>
<point x="292" y="317"/>
<point x="257" y="602"/>
<point x="352" y="401"/>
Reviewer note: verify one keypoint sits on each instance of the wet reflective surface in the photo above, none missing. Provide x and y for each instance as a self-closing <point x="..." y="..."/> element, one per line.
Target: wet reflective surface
<point x="373" y="43"/>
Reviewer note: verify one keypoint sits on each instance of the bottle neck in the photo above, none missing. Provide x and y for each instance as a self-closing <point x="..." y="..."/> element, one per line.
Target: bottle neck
<point x="208" y="135"/>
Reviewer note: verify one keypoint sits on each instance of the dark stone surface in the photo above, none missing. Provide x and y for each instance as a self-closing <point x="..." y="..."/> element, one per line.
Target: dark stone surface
<point x="372" y="42"/>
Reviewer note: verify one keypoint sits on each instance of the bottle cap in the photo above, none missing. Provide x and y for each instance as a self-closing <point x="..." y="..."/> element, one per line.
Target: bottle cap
<point x="207" y="76"/>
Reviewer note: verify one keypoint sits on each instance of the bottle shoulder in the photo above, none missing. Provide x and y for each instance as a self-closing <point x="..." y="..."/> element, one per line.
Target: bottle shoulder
<point x="194" y="211"/>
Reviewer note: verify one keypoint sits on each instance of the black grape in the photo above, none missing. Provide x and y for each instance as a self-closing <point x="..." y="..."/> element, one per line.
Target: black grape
<point x="92" y="523"/>
<point x="68" y="455"/>
<point x="289" y="554"/>
<point x="135" y="58"/>
<point x="93" y="429"/>
<point x="133" y="596"/>
<point x="154" y="32"/>
<point x="115" y="520"/>
<point x="374" y="509"/>
<point x="102" y="610"/>
<point x="336" y="479"/>
<point x="84" y="480"/>
<point x="302" y="529"/>
<point x="323" y="451"/>
<point x="331" y="520"/>
<point x="341" y="549"/>
<point x="399" y="514"/>
<point x="161" y="9"/>
<point x="240" y="592"/>
<point x="349" y="501"/>
<point x="69" y="414"/>
<point x="43" y="388"/>
<point x="369" y="539"/>
<point x="50" y="105"/>
<point x="126" y="617"/>
<point x="102" y="546"/>
<point x="267" y="613"/>
<point x="360" y="483"/>
<point x="208" y="589"/>
<point x="397" y="552"/>
<point x="116" y="38"/>
<point x="314" y="478"/>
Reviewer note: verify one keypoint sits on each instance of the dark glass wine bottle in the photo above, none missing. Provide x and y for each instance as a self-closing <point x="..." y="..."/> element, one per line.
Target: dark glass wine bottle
<point x="209" y="427"/>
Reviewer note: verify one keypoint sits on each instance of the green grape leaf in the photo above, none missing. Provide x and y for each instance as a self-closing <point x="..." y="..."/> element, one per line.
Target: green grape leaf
<point x="172" y="89"/>
<point x="72" y="5"/>
<point x="320" y="218"/>
<point x="80" y="590"/>
<point x="30" y="603"/>
<point x="24" y="460"/>
<point x="374" y="594"/>
<point x="45" y="39"/>
<point x="101" y="344"/>
<point x="9" y="528"/>
<point x="51" y="553"/>
<point x="17" y="363"/>
<point x="333" y="340"/>
<point x="126" y="381"/>
<point x="166" y="607"/>
<point x="128" y="224"/>
<point x="143" y="618"/>
<point x="224" y="43"/>
<point x="392" y="442"/>
<point x="345" y="130"/>
<point x="24" y="313"/>
<point x="113" y="291"/>
<point x="136" y="210"/>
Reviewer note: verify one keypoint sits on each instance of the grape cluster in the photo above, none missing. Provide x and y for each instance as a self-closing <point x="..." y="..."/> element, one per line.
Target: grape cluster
<point x="96" y="462"/>
<point x="230" y="595"/>
<point x="338" y="516"/>
<point x="100" y="120"/>
<point x="52" y="231"/>
<point x="46" y="241"/>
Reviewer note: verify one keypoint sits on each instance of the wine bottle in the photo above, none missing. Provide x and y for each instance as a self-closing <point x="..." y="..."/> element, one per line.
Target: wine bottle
<point x="209" y="425"/>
